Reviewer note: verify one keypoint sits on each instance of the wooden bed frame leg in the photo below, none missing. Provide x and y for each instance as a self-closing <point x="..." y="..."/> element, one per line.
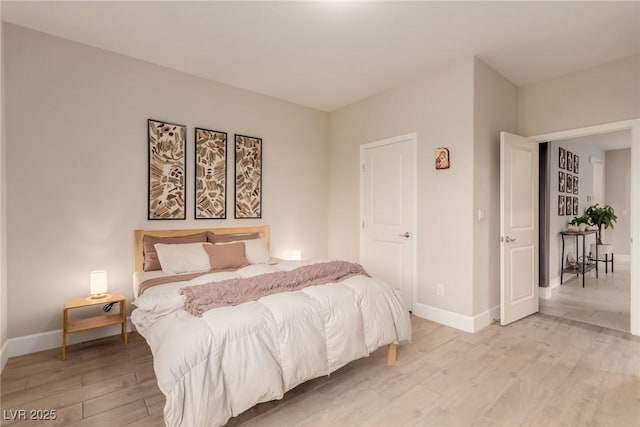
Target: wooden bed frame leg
<point x="391" y="354"/>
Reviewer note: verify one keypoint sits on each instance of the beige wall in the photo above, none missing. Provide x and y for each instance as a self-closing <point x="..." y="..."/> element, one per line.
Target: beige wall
<point x="495" y="107"/>
<point x="603" y="94"/>
<point x="463" y="107"/>
<point x="617" y="193"/>
<point x="77" y="166"/>
<point x="76" y="176"/>
<point x="439" y="108"/>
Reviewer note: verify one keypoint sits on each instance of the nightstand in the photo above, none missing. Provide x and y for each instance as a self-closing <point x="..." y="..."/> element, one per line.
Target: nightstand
<point x="79" y="325"/>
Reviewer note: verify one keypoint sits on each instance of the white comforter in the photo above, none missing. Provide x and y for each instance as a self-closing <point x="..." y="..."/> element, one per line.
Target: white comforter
<point x="217" y="366"/>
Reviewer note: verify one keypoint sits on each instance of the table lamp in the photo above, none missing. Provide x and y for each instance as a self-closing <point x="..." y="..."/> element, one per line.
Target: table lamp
<point x="98" y="284"/>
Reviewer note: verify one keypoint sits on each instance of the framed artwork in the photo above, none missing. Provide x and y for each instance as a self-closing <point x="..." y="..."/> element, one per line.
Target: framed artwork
<point x="248" y="177"/>
<point x="569" y="185"/>
<point x="569" y="161"/>
<point x="568" y="205"/>
<point x="560" y="205"/>
<point x="167" y="170"/>
<point x="575" y="184"/>
<point x="562" y="158"/>
<point x="576" y="163"/>
<point x="561" y="182"/>
<point x="575" y="205"/>
<point x="211" y="174"/>
<point x="442" y="158"/>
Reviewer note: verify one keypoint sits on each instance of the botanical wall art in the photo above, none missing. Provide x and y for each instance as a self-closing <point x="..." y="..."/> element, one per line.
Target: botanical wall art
<point x="561" y="182"/>
<point x="442" y="158"/>
<point x="211" y="174"/>
<point x="167" y="151"/>
<point x="248" y="177"/>
<point x="561" y="209"/>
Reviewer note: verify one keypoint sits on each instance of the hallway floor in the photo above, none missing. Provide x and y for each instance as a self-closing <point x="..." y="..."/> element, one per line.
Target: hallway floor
<point x="603" y="302"/>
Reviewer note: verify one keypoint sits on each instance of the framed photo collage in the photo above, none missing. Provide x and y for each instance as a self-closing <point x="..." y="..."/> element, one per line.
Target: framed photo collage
<point x="568" y="182"/>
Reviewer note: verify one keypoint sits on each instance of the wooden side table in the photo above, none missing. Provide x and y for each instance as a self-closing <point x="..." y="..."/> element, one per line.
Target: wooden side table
<point x="79" y="325"/>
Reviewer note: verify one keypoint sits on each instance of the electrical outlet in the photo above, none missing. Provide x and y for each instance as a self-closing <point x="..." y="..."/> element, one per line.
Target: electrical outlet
<point x="440" y="289"/>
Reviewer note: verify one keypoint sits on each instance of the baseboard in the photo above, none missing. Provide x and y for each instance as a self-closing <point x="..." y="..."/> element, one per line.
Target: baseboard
<point x="457" y="320"/>
<point x="4" y="356"/>
<point x="52" y="339"/>
<point x="546" y="292"/>
<point x="486" y="318"/>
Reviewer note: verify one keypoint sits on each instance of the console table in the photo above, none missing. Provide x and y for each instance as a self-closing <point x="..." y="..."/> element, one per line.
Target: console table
<point x="581" y="268"/>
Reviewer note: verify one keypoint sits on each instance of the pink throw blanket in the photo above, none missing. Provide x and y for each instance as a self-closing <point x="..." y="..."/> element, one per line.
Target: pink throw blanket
<point x="200" y="298"/>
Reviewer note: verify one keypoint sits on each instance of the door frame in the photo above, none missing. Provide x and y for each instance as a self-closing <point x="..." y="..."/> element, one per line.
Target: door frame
<point x="413" y="139"/>
<point x="634" y="126"/>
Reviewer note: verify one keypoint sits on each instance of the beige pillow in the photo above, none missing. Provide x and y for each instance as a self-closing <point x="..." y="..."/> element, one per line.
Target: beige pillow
<point x="227" y="256"/>
<point x="151" y="261"/>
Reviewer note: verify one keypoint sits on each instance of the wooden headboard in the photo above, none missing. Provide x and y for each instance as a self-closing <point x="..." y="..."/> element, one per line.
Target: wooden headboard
<point x="138" y="236"/>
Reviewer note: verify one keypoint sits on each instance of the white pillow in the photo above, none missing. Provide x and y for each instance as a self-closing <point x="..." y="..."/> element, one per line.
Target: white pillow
<point x="254" y="249"/>
<point x="183" y="257"/>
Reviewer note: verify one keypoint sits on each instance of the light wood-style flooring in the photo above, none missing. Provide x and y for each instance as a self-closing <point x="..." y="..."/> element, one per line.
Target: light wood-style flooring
<point x="604" y="301"/>
<point x="540" y="371"/>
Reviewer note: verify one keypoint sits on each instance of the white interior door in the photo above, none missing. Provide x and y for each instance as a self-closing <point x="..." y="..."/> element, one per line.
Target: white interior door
<point x="518" y="227"/>
<point x="387" y="236"/>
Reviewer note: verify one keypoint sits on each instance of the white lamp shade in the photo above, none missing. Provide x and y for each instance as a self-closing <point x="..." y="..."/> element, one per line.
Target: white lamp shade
<point x="98" y="282"/>
<point x="296" y="254"/>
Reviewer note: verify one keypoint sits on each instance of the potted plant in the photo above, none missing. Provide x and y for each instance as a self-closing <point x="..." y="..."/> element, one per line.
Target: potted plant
<point x="581" y="221"/>
<point x="601" y="216"/>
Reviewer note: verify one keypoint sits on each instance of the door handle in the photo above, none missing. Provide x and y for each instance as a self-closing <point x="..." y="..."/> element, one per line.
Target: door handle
<point x="508" y="239"/>
<point x="406" y="235"/>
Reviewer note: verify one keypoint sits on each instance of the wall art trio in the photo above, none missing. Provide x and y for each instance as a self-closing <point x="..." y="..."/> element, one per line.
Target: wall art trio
<point x="167" y="173"/>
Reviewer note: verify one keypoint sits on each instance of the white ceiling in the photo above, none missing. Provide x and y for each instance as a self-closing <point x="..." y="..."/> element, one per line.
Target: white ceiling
<point x="329" y="54"/>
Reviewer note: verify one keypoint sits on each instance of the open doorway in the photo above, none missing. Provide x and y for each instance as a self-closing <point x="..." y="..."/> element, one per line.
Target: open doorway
<point x="582" y="172"/>
<point x="634" y="236"/>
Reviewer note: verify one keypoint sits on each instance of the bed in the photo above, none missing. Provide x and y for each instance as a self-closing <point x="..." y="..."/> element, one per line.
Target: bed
<point x="217" y="363"/>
